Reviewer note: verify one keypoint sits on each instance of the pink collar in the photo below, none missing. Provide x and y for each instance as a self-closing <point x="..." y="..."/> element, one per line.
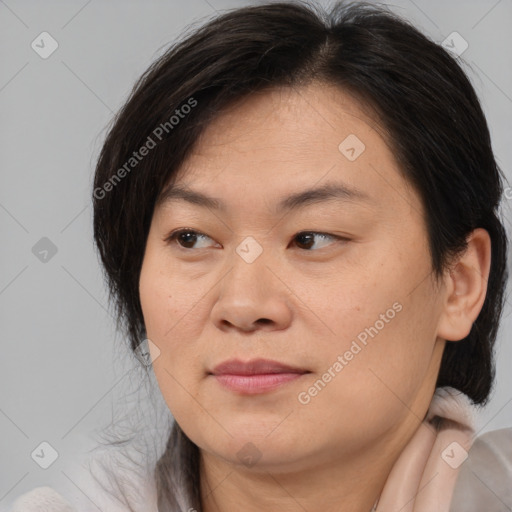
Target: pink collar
<point x="424" y="475"/>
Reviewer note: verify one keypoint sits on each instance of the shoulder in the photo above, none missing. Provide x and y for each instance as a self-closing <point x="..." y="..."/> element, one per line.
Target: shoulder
<point x="42" y="498"/>
<point x="485" y="477"/>
<point x="122" y="491"/>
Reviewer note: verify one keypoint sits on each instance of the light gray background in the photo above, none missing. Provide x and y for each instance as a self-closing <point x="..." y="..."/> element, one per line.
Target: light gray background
<point x="59" y="373"/>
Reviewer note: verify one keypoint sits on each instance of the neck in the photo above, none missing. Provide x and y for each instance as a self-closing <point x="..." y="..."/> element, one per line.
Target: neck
<point x="349" y="483"/>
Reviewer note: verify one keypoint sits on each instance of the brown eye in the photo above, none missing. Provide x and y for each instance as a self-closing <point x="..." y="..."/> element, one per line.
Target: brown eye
<point x="307" y="239"/>
<point x="186" y="238"/>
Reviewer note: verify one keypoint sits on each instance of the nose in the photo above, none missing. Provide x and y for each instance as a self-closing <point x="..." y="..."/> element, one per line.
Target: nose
<point x="252" y="296"/>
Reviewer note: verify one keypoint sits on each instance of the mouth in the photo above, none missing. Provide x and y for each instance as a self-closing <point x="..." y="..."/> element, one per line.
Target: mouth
<point x="255" y="376"/>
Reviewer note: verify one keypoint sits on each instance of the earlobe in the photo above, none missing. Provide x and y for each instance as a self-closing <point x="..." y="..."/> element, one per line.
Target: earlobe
<point x="466" y="287"/>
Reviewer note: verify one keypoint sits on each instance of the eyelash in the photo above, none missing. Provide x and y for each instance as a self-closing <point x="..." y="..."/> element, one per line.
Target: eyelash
<point x="173" y="237"/>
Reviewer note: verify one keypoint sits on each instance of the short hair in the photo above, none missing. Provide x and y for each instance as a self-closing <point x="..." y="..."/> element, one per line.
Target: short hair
<point x="419" y="91"/>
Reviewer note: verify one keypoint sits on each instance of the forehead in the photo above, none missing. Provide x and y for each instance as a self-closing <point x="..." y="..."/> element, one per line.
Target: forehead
<point x="290" y="123"/>
<point x="284" y="140"/>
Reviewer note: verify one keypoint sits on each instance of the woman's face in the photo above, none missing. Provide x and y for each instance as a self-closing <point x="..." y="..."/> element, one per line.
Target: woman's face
<point x="336" y="285"/>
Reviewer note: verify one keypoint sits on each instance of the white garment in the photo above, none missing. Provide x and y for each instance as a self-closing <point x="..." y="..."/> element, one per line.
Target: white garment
<point x="485" y="480"/>
<point x="432" y="474"/>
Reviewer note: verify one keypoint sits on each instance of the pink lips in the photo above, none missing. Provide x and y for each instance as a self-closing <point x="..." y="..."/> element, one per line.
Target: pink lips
<point x="255" y="376"/>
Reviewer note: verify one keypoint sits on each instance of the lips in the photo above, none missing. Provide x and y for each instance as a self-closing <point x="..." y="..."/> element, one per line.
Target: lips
<point x="255" y="377"/>
<point x="254" y="367"/>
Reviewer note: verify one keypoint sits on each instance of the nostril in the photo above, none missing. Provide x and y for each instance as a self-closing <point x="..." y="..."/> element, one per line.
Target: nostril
<point x="264" y="321"/>
<point x="249" y="326"/>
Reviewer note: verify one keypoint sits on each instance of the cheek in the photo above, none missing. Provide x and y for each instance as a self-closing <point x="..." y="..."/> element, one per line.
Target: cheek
<point x="356" y="306"/>
<point x="378" y="372"/>
<point x="177" y="369"/>
<point x="170" y="306"/>
<point x="166" y="300"/>
<point x="380" y="336"/>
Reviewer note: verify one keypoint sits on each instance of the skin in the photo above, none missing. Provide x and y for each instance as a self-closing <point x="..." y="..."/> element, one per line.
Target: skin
<point x="301" y="302"/>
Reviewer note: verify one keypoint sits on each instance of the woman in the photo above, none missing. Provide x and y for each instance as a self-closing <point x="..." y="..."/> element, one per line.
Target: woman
<point x="297" y="216"/>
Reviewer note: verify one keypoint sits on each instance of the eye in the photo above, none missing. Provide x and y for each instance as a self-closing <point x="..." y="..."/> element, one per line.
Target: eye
<point x="186" y="238"/>
<point x="307" y="238"/>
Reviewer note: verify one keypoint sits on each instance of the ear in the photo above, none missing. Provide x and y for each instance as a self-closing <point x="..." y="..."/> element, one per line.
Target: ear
<point x="466" y="287"/>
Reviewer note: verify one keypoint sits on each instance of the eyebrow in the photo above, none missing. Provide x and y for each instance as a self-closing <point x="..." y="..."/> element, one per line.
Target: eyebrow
<point x="329" y="192"/>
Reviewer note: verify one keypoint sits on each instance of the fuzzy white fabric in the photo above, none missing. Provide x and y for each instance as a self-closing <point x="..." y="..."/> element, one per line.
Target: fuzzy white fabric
<point x="450" y="404"/>
<point x="42" y="499"/>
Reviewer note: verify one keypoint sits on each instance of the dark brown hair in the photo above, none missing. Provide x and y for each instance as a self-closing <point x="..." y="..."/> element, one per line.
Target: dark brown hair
<point x="423" y="98"/>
